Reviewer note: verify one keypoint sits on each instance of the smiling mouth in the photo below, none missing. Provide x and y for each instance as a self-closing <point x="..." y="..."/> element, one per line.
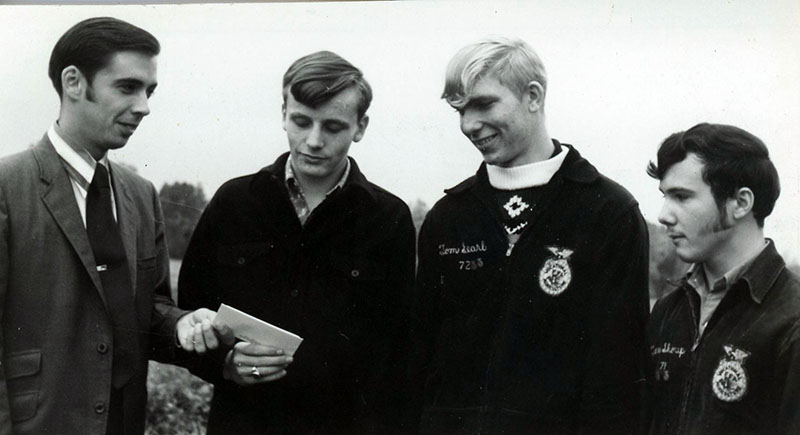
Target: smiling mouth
<point x="131" y="127"/>
<point x="481" y="143"/>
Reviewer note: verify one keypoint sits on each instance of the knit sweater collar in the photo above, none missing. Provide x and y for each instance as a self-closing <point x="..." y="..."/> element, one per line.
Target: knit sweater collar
<point x="525" y="176"/>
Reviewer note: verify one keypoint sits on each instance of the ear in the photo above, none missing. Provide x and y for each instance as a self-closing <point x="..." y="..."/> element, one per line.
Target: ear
<point x="536" y="95"/>
<point x="362" y="127"/>
<point x="742" y="203"/>
<point x="72" y="83"/>
<point x="283" y="116"/>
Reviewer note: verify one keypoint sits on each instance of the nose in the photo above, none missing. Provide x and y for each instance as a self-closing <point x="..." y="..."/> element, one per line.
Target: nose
<point x="142" y="105"/>
<point x="470" y="124"/>
<point x="314" y="138"/>
<point x="665" y="216"/>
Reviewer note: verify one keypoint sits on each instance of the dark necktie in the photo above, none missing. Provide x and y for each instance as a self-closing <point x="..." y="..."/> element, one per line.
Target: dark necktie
<point x="109" y="254"/>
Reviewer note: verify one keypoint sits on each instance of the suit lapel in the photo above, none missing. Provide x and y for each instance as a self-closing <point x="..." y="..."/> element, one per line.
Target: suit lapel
<point x="126" y="218"/>
<point x="59" y="198"/>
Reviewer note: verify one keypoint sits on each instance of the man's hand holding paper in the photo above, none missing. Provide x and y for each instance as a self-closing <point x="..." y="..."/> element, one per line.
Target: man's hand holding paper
<point x="199" y="332"/>
<point x="250" y="363"/>
<point x="264" y="352"/>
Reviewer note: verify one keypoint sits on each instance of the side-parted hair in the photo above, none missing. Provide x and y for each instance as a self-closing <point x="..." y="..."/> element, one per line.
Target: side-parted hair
<point x="512" y="61"/>
<point x="316" y="78"/>
<point x="90" y="44"/>
<point x="732" y="158"/>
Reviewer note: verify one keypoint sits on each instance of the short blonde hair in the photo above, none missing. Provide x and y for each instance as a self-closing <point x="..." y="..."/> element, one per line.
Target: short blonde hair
<point x="511" y="60"/>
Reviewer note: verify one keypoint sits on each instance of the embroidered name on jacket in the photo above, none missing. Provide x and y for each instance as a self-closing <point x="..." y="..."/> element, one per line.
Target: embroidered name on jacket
<point x="555" y="274"/>
<point x="463" y="249"/>
<point x="667" y="348"/>
<point x="730" y="378"/>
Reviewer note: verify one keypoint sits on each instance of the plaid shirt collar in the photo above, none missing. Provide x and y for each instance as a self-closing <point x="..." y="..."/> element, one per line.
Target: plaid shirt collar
<point x="296" y="190"/>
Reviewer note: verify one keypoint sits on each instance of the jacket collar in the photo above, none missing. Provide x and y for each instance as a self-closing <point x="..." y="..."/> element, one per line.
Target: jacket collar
<point x="759" y="277"/>
<point x="59" y="199"/>
<point x="763" y="272"/>
<point x="356" y="180"/>
<point x="575" y="168"/>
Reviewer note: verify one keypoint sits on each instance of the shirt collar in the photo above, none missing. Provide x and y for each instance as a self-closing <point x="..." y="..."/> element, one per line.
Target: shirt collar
<point x="525" y="176"/>
<point x="80" y="162"/>
<point x="696" y="274"/>
<point x="290" y="177"/>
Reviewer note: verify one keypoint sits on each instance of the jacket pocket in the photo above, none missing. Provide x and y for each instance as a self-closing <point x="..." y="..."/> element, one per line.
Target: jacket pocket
<point x="242" y="255"/>
<point x="358" y="269"/>
<point x="146" y="263"/>
<point x="23" y="399"/>
<point x="355" y="294"/>
<point x="23" y="405"/>
<point x="242" y="267"/>
<point x="23" y="364"/>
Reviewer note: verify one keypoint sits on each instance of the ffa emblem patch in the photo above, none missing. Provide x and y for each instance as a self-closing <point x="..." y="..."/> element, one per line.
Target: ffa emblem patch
<point x="730" y="378"/>
<point x="555" y="275"/>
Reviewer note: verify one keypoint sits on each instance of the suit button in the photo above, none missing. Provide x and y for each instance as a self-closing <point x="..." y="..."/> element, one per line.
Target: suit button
<point x="241" y="260"/>
<point x="102" y="348"/>
<point x="294" y="292"/>
<point x="99" y="407"/>
<point x="355" y="273"/>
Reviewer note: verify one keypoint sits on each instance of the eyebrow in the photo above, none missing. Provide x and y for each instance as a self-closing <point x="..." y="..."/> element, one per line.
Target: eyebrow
<point x="341" y="122"/>
<point x="134" y="81"/>
<point x="481" y="99"/>
<point x="676" y="189"/>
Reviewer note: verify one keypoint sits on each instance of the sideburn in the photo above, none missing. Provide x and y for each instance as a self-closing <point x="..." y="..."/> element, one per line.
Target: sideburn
<point x="90" y="93"/>
<point x="723" y="222"/>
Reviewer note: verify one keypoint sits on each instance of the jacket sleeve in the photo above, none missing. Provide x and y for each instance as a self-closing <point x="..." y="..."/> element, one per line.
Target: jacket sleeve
<point x="197" y="289"/>
<point x="425" y="320"/>
<point x="384" y="370"/>
<point x="613" y="376"/>
<point x="787" y="371"/>
<point x="5" y="411"/>
<point x="165" y="313"/>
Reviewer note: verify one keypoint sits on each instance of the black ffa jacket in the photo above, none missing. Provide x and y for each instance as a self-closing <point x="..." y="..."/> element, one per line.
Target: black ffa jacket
<point x="342" y="283"/>
<point x="546" y="336"/>
<point x="743" y="374"/>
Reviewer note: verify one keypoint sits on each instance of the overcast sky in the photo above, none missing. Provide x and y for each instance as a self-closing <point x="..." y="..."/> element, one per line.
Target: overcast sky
<point x="623" y="75"/>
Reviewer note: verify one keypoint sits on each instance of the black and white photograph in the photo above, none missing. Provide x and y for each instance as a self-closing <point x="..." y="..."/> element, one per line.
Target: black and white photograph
<point x="413" y="217"/>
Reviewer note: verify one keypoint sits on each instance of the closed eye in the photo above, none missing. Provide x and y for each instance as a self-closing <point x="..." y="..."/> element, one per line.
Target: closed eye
<point x="301" y="121"/>
<point x="127" y="88"/>
<point x="335" y="127"/>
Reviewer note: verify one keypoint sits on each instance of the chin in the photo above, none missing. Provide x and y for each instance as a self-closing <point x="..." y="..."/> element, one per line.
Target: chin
<point x="686" y="257"/>
<point x="117" y="144"/>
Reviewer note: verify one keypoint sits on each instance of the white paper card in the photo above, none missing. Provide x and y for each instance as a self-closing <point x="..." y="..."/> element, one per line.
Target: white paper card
<point x="248" y="328"/>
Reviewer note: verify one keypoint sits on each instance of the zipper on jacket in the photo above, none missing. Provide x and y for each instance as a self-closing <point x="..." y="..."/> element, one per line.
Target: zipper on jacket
<point x="690" y="383"/>
<point x="510" y="248"/>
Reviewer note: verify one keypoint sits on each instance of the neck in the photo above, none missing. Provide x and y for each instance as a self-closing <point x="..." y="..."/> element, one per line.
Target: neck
<point x="541" y="144"/>
<point x="745" y="241"/>
<point x="65" y="127"/>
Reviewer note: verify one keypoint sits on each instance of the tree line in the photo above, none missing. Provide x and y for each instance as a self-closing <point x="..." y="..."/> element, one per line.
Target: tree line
<point x="183" y="203"/>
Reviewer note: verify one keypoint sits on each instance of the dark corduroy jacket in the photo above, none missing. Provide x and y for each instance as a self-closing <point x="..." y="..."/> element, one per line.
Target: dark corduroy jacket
<point x="341" y="282"/>
<point x="547" y="337"/>
<point x="743" y="374"/>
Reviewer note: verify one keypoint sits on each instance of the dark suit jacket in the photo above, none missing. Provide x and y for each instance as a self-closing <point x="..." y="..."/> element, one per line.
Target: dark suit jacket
<point x="56" y="345"/>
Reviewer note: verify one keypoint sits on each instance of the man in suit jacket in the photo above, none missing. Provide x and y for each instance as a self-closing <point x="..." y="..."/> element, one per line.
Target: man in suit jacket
<point x="84" y="272"/>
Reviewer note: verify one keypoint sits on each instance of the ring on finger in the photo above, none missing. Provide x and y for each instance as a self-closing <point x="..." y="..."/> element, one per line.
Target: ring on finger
<point x="254" y="372"/>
